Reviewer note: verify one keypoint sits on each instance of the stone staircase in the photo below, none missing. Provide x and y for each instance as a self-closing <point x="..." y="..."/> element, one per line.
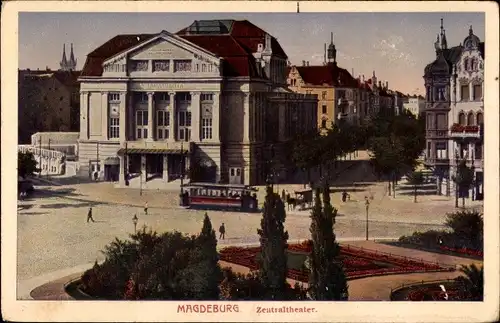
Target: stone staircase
<point x="429" y="187"/>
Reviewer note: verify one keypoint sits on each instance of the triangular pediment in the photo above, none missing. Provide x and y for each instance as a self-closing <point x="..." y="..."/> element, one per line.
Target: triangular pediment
<point x="166" y="46"/>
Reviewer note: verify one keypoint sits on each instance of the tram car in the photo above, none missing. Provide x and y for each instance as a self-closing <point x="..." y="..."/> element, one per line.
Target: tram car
<point x="210" y="196"/>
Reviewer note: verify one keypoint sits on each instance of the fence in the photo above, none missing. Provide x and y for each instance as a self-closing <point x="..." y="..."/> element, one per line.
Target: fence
<point x="404" y="258"/>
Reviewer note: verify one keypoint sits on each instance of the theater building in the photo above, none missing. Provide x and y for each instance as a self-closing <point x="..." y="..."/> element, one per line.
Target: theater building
<point x="209" y="101"/>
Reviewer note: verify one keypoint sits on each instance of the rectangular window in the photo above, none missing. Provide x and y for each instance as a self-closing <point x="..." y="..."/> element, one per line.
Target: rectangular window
<point x="141" y="121"/>
<point x="206" y="97"/>
<point x="464" y="92"/>
<point x="441" y="122"/>
<point x="114" y="128"/>
<point x="184" y="125"/>
<point x="161" y="66"/>
<point x="141" y="97"/>
<point x="163" y="124"/>
<point x="163" y="97"/>
<point x="139" y="66"/>
<point x="478" y="92"/>
<point x="323" y="109"/>
<point x="478" y="151"/>
<point x="441" y="150"/>
<point x="113" y="97"/>
<point x="206" y="128"/>
<point x="182" y="65"/>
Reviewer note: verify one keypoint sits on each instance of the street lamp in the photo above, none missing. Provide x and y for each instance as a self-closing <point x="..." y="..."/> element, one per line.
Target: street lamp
<point x="134" y="220"/>
<point x="367" y="205"/>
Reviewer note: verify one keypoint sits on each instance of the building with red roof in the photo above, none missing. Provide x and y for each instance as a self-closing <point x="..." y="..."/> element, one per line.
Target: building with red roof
<point x="215" y="89"/>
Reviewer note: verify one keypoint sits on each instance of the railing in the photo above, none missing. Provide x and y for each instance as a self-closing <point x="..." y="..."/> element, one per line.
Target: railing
<point x="420" y="283"/>
<point x="46" y="153"/>
<point x="404" y="258"/>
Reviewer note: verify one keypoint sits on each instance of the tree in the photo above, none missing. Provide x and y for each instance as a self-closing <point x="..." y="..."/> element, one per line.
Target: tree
<point x="305" y="152"/>
<point x="273" y="242"/>
<point x="207" y="274"/>
<point x="26" y="164"/>
<point x="327" y="280"/>
<point x="415" y="178"/>
<point x="468" y="226"/>
<point x="464" y="179"/>
<point x="473" y="281"/>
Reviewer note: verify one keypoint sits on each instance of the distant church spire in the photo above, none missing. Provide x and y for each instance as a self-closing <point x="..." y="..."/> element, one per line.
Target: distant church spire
<point x="444" y="43"/>
<point x="66" y="65"/>
<point x="332" y="51"/>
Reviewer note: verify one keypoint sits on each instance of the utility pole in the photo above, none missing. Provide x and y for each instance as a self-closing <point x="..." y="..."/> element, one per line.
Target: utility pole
<point x="40" y="156"/>
<point x="98" y="167"/>
<point x="182" y="167"/>
<point x="48" y="160"/>
<point x="367" y="204"/>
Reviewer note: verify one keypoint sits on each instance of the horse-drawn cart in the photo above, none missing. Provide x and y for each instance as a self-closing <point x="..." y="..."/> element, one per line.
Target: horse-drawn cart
<point x="304" y="199"/>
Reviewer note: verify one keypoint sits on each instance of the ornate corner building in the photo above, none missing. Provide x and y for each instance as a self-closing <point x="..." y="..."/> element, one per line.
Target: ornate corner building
<point x="211" y="98"/>
<point x="454" y="110"/>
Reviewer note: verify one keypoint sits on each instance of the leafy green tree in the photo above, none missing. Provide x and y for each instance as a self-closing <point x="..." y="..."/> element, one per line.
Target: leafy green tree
<point x="327" y="280"/>
<point x="473" y="281"/>
<point x="305" y="152"/>
<point x="468" y="226"/>
<point x="273" y="241"/>
<point x="416" y="179"/>
<point x="464" y="179"/>
<point x="26" y="164"/>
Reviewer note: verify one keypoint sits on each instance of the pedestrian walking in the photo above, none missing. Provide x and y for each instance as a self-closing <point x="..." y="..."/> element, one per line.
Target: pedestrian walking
<point x="283" y="195"/>
<point x="89" y="215"/>
<point x="146" y="208"/>
<point x="222" y="231"/>
<point x="344" y="196"/>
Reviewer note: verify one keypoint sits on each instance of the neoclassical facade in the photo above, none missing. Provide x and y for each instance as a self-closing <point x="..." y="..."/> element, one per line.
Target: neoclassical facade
<point x="211" y="98"/>
<point x="454" y="85"/>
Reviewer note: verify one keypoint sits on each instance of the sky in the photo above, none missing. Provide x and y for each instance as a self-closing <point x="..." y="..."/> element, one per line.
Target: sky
<point x="397" y="46"/>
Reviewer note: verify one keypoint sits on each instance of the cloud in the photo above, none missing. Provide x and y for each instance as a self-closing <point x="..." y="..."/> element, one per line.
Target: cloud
<point x="393" y="49"/>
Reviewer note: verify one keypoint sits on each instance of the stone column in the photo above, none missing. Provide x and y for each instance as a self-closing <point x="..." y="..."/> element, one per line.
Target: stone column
<point x="172" y="126"/>
<point x="105" y="115"/>
<point x="195" y="116"/>
<point x="84" y="115"/>
<point x="216" y="122"/>
<point x="123" y="117"/>
<point x="246" y="117"/>
<point x="130" y="133"/>
<point x="151" y="118"/>
<point x="471" y="92"/>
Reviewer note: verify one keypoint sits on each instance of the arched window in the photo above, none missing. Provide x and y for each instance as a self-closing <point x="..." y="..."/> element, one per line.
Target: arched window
<point x="466" y="64"/>
<point x="461" y="118"/>
<point x="479" y="118"/>
<point x="470" y="119"/>
<point x="323" y="123"/>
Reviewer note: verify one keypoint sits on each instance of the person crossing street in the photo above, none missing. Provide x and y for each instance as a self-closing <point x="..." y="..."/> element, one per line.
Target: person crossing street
<point x="89" y="215"/>
<point x="222" y="231"/>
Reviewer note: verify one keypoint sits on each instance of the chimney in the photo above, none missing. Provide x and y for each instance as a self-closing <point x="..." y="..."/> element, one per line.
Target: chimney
<point x="307" y="63"/>
<point x="386" y="84"/>
<point x="303" y="63"/>
<point x="47" y="68"/>
<point x="363" y="77"/>
<point x="380" y="84"/>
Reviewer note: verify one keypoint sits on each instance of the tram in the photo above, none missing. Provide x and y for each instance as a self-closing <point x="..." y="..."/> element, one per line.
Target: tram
<point x="210" y="196"/>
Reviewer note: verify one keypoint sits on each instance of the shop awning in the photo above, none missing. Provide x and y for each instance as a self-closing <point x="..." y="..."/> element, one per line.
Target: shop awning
<point x="151" y="151"/>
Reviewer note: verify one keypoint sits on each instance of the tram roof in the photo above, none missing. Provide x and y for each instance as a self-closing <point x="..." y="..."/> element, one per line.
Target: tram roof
<point x="220" y="186"/>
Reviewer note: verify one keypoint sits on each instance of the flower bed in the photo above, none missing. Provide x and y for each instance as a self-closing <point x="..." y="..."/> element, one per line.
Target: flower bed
<point x="357" y="262"/>
<point x="463" y="251"/>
